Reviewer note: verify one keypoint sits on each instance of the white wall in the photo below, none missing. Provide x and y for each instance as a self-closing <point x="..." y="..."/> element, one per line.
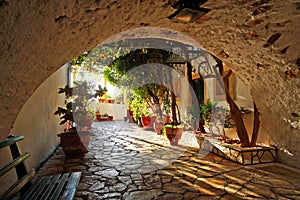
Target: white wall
<point x="38" y="124"/>
<point x="118" y="111"/>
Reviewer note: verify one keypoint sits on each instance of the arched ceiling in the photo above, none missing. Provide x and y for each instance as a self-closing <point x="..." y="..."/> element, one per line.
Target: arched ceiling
<point x="258" y="39"/>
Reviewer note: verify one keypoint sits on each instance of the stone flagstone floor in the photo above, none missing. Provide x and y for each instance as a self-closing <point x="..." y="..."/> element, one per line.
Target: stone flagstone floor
<point x="127" y="162"/>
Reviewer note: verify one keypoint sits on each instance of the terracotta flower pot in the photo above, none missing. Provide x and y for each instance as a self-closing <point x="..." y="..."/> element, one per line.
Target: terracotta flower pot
<point x="167" y="119"/>
<point x="146" y="120"/>
<point x="98" y="116"/>
<point x="153" y="119"/>
<point x="173" y="135"/>
<point x="75" y="145"/>
<point x="158" y="126"/>
<point x="130" y="116"/>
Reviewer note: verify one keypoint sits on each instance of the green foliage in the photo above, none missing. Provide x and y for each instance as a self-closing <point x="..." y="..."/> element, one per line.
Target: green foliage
<point x="193" y="114"/>
<point x="100" y="91"/>
<point x="173" y="126"/>
<point x="138" y="106"/>
<point x="116" y="73"/>
<point x="119" y="67"/>
<point x="205" y="110"/>
<point x="105" y="115"/>
<point x="229" y="123"/>
<point x="75" y="103"/>
<point x="166" y="101"/>
<point x="97" y="59"/>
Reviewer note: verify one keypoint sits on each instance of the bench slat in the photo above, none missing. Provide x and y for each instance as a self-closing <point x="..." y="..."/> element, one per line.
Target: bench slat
<point x="71" y="188"/>
<point x="15" y="188"/>
<point x="32" y="189"/>
<point x="55" y="187"/>
<point x="40" y="189"/>
<point x="11" y="140"/>
<point x="59" y="188"/>
<point x="51" y="186"/>
<point x="14" y="163"/>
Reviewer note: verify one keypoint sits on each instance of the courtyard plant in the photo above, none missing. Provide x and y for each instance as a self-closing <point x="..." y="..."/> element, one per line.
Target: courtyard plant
<point x="99" y="92"/>
<point x="77" y="119"/>
<point x="160" y="99"/>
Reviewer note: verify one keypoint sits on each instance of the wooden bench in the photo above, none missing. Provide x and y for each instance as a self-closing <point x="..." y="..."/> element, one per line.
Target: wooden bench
<point x="61" y="186"/>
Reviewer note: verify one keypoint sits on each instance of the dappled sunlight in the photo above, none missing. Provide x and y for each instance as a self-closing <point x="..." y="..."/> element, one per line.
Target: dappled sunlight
<point x="138" y="162"/>
<point x="189" y="139"/>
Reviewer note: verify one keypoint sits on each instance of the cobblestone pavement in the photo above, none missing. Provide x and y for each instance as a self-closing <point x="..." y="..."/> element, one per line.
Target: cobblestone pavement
<point x="127" y="162"/>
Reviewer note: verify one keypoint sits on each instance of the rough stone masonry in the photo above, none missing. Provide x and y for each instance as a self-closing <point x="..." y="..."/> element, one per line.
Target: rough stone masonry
<point x="258" y="39"/>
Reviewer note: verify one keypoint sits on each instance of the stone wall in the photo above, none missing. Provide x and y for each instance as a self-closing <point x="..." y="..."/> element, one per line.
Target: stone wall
<point x="38" y="37"/>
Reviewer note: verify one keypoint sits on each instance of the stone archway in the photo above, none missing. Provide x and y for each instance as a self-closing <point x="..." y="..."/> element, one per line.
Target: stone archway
<point x="258" y="39"/>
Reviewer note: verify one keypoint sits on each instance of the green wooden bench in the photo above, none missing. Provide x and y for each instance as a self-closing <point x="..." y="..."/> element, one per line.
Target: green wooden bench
<point x="61" y="186"/>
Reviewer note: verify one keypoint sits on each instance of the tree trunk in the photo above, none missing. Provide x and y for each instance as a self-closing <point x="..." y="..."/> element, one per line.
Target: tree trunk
<point x="189" y="73"/>
<point x="236" y="115"/>
<point x="173" y="108"/>
<point x="173" y="97"/>
<point x="256" y="124"/>
<point x="156" y="102"/>
<point x="201" y="126"/>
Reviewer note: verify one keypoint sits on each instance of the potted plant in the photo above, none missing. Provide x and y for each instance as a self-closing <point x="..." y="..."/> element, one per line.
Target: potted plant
<point x="173" y="133"/>
<point x="76" y="136"/>
<point x="139" y="110"/>
<point x="166" y="108"/>
<point x="99" y="93"/>
<point x="105" y="115"/>
<point x="98" y="115"/>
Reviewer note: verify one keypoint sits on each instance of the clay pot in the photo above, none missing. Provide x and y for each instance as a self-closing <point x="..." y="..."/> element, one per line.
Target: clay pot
<point x="173" y="135"/>
<point x="157" y="127"/>
<point x="98" y="116"/>
<point x="146" y="120"/>
<point x="167" y="119"/>
<point x="75" y="144"/>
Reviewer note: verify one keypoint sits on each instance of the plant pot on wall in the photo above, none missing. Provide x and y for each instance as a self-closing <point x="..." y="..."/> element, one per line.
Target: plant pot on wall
<point x="101" y="100"/>
<point x="98" y="116"/>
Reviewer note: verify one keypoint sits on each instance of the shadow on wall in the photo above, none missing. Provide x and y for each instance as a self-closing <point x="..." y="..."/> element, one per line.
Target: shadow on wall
<point x="38" y="125"/>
